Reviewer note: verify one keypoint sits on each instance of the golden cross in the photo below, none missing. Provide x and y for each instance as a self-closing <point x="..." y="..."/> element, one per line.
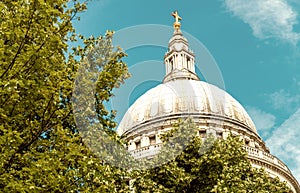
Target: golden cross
<point x="176" y="16"/>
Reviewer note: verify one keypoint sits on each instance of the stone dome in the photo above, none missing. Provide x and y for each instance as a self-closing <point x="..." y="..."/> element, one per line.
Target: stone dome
<point x="188" y="98"/>
<point x="212" y="109"/>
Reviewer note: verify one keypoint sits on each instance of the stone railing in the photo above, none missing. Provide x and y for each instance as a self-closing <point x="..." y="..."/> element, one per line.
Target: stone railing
<point x="147" y="151"/>
<point x="253" y="153"/>
<point x="151" y="150"/>
<point x="259" y="154"/>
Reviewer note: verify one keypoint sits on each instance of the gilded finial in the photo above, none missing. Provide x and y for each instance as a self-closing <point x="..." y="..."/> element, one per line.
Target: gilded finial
<point x="177" y="19"/>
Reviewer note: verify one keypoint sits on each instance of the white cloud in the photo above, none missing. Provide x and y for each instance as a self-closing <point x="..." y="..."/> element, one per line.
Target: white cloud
<point x="267" y="18"/>
<point x="284" y="143"/>
<point x="282" y="99"/>
<point x="261" y="119"/>
<point x="287" y="99"/>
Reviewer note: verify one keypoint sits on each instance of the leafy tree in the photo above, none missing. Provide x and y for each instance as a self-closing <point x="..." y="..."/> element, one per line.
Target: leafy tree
<point x="41" y="149"/>
<point x="214" y="165"/>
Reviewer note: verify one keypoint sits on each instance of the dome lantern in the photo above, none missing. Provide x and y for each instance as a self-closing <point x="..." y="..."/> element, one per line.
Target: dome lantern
<point x="179" y="60"/>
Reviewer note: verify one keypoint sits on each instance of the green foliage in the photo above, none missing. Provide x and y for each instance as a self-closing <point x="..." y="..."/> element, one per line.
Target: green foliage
<point x="214" y="165"/>
<point x="41" y="150"/>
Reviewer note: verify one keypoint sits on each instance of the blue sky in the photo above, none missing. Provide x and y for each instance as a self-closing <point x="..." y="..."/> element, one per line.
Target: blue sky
<point x="254" y="44"/>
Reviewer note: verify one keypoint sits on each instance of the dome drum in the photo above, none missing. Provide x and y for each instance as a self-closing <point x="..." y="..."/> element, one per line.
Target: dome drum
<point x="204" y="123"/>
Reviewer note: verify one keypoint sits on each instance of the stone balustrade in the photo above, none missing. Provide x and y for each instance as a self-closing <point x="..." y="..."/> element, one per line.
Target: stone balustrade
<point x="259" y="154"/>
<point x="151" y="150"/>
<point x="147" y="151"/>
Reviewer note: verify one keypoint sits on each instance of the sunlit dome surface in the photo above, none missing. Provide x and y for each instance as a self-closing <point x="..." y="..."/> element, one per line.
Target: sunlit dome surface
<point x="187" y="97"/>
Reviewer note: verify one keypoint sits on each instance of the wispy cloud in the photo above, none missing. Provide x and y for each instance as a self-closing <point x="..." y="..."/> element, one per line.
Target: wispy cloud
<point x="284" y="143"/>
<point x="287" y="99"/>
<point x="283" y="99"/>
<point x="261" y="119"/>
<point x="267" y="18"/>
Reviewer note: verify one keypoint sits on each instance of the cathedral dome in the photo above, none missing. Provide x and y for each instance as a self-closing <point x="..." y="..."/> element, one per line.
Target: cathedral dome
<point x="181" y="95"/>
<point x="185" y="98"/>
